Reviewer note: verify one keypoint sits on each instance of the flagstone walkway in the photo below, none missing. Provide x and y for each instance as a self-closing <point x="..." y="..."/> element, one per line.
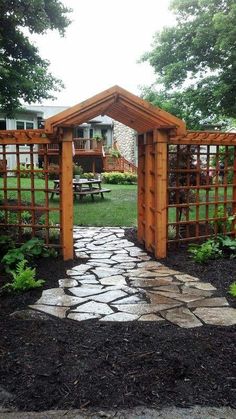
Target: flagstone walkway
<point x="118" y="281"/>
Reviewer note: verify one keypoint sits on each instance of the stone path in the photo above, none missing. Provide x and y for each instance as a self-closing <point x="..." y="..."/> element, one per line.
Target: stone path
<point x="119" y="282"/>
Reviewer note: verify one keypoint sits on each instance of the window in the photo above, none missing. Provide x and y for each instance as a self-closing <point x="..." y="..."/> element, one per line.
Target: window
<point x="91" y="133"/>
<point x="3" y="124"/>
<point x="24" y="125"/>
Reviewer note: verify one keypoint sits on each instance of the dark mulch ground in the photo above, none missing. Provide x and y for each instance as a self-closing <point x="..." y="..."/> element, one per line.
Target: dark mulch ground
<point x="61" y="364"/>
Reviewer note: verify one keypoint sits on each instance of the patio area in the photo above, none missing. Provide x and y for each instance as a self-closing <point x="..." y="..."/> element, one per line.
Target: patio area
<point x="118" y="281"/>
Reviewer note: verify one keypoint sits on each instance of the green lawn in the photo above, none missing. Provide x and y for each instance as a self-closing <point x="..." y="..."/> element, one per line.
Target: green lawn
<point x="118" y="208"/>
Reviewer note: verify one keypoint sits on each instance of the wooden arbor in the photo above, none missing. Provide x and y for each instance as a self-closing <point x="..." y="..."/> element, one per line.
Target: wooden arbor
<point x="154" y="127"/>
<point x="166" y="181"/>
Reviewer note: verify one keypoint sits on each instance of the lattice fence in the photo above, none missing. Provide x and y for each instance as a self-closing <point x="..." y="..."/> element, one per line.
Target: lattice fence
<point x="25" y="207"/>
<point x="201" y="191"/>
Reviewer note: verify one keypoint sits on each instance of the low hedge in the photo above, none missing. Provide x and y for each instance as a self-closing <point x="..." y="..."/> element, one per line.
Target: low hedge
<point x="118" y="178"/>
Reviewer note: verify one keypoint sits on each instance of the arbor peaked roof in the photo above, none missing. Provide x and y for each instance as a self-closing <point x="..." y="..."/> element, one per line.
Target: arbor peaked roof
<point x="120" y="105"/>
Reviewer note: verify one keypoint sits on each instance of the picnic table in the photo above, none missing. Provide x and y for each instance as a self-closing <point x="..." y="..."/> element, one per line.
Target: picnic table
<point x="83" y="187"/>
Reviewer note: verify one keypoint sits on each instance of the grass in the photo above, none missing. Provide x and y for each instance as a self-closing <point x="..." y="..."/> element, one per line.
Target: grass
<point x="118" y="208"/>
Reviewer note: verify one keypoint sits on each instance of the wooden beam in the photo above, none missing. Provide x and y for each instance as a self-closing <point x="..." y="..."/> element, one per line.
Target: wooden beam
<point x="148" y="191"/>
<point x="141" y="160"/>
<point x="29" y="137"/>
<point x="161" y="181"/>
<point x="66" y="201"/>
<point x="205" y="138"/>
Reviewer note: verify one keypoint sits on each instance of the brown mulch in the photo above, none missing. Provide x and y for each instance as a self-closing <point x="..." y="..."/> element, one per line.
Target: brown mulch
<point x="62" y="364"/>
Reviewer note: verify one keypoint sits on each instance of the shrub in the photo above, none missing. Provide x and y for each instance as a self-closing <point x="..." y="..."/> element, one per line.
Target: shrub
<point x="31" y="249"/>
<point x="232" y="289"/>
<point x="77" y="170"/>
<point x="221" y="246"/>
<point x="88" y="175"/>
<point x="6" y="243"/>
<point x="118" y="178"/>
<point x="25" y="172"/>
<point x="23" y="278"/>
<point x="53" y="171"/>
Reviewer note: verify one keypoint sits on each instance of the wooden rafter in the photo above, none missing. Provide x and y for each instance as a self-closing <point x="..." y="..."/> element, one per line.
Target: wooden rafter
<point x="120" y="105"/>
<point x="205" y="138"/>
<point x="24" y="137"/>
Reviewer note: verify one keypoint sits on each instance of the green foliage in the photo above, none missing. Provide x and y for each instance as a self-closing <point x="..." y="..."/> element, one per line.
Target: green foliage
<point x="23" y="278"/>
<point x="221" y="246"/>
<point x="25" y="172"/>
<point x="6" y="243"/>
<point x="31" y="249"/>
<point x="11" y="258"/>
<point x="23" y="73"/>
<point x="199" y="49"/>
<point x="223" y="225"/>
<point x="232" y="289"/>
<point x="114" y="153"/>
<point x="205" y="251"/>
<point x="226" y="157"/>
<point x="118" y="178"/>
<point x="88" y="175"/>
<point x="77" y="170"/>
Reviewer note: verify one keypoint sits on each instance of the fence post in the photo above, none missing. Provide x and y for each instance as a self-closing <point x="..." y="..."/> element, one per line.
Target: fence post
<point x="161" y="183"/>
<point x="141" y="162"/>
<point x="67" y="194"/>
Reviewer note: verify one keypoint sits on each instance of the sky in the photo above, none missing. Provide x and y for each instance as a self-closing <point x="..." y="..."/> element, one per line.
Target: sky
<point x="102" y="46"/>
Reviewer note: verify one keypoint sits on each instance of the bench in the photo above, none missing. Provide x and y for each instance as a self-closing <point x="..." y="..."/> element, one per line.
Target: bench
<point x="91" y="192"/>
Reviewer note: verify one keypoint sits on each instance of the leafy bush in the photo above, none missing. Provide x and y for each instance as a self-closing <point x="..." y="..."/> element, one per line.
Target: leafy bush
<point x="77" y="170"/>
<point x="221" y="246"/>
<point x="232" y="289"/>
<point x="88" y="176"/>
<point x="25" y="172"/>
<point x="23" y="278"/>
<point x="118" y="178"/>
<point x="31" y="249"/>
<point x="6" y="243"/>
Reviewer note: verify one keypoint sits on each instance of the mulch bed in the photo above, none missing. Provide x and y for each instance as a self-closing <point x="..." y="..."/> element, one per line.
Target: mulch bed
<point x="61" y="364"/>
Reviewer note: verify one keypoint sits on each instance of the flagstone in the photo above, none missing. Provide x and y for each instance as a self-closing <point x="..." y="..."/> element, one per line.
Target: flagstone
<point x="53" y="310"/>
<point x="113" y="280"/>
<point x="119" y="317"/>
<point x="101" y="255"/>
<point x="151" y="318"/>
<point x="78" y="270"/>
<point x="186" y="278"/>
<point x="124" y="258"/>
<point x="57" y="297"/>
<point x="182" y="316"/>
<point x="101" y="262"/>
<point x="81" y="255"/>
<point x="86" y="277"/>
<point x="168" y="288"/>
<point x="218" y="316"/>
<point x="140" y="309"/>
<point x="209" y="302"/>
<point x="157" y="298"/>
<point x="104" y="272"/>
<point x="88" y="281"/>
<point x="206" y="286"/>
<point x="109" y="296"/>
<point x="152" y="282"/>
<point x="67" y="283"/>
<point x="83" y="316"/>
<point x="85" y="291"/>
<point x="150" y="265"/>
<point x="130" y="300"/>
<point x="127" y="265"/>
<point x="185" y="298"/>
<point x="94" y="307"/>
<point x="195" y="291"/>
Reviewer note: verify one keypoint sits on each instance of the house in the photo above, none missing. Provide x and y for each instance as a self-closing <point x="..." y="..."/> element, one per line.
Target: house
<point x="92" y="140"/>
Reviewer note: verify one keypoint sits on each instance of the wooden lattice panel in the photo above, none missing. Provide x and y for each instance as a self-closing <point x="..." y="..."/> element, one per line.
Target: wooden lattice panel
<point x="25" y="207"/>
<point x="201" y="191"/>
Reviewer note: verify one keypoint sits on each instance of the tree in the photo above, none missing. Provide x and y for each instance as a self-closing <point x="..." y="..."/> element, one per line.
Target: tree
<point x="197" y="57"/>
<point x="24" y="74"/>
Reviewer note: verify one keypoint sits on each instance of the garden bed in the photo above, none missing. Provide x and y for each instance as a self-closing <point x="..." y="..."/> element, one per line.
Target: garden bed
<point x="47" y="363"/>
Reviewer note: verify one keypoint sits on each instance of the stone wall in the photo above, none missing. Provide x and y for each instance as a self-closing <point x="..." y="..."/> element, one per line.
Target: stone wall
<point x="126" y="141"/>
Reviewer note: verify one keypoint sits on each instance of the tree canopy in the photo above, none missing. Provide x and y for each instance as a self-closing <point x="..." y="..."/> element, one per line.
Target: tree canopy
<point x="197" y="57"/>
<point x="24" y="74"/>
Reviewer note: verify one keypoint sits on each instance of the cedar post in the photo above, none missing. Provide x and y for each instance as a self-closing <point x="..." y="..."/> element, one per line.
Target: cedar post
<point x="160" y="140"/>
<point x="234" y="191"/>
<point x="141" y="159"/>
<point x="148" y="193"/>
<point x="67" y="194"/>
